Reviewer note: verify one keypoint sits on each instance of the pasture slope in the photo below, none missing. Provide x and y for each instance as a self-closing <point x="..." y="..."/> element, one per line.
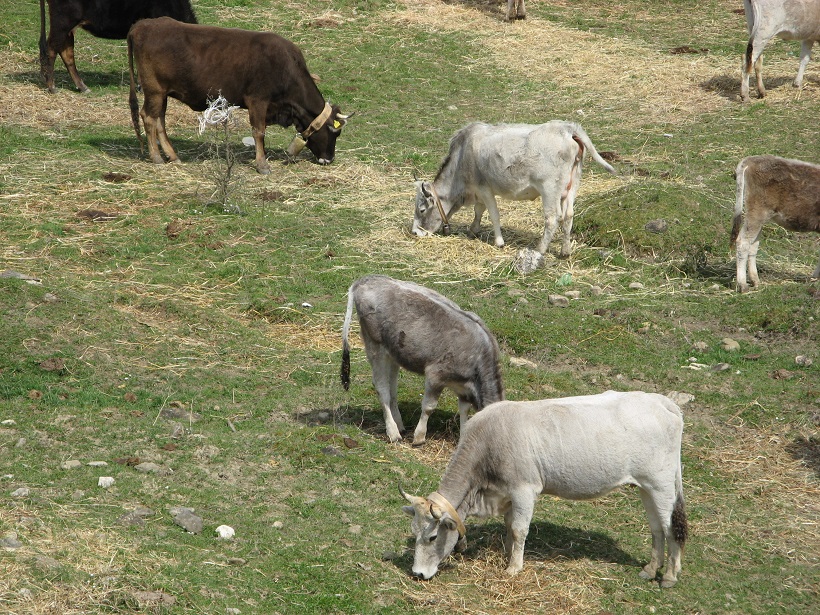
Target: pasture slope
<point x="205" y="339"/>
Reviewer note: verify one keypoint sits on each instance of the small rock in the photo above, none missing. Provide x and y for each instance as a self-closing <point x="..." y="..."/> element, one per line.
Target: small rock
<point x="50" y="298"/>
<point x="8" y="422"/>
<point x="803" y="360"/>
<point x="635" y="285"/>
<point x="97" y="464"/>
<point x="681" y="399"/>
<point x="323" y="416"/>
<point x="729" y="345"/>
<point x="72" y="464"/>
<point x="22" y="492"/>
<point x="189" y="522"/>
<point x="527" y="260"/>
<point x="519" y="362"/>
<point x="147" y="467"/>
<point x="178" y="510"/>
<point x="10" y="542"/>
<point x="657" y="226"/>
<point x="558" y="301"/>
<point x="46" y="563"/>
<point x="225" y="532"/>
<point x="176" y="410"/>
<point x="355" y="529"/>
<point x="154" y="599"/>
<point x="573" y="294"/>
<point x="78" y="495"/>
<point x="720" y="367"/>
<point x="25" y="594"/>
<point x="232" y="611"/>
<point x="105" y="481"/>
<point x="715" y="287"/>
<point x="20" y="443"/>
<point x="332" y="451"/>
<point x="596" y="291"/>
<point x="389" y="556"/>
<point x="137" y="516"/>
<point x="236" y="561"/>
<point x="278" y="525"/>
<point x="700" y="346"/>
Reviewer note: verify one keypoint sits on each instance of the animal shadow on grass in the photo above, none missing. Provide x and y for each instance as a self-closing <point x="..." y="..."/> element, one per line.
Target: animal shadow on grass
<point x="62" y="80"/>
<point x="370" y="419"/>
<point x="546" y="541"/>
<point x="807" y="450"/>
<point x="729" y="87"/>
<point x="492" y="8"/>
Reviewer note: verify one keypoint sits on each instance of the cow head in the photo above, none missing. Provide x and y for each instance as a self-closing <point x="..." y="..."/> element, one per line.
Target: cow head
<point x="322" y="142"/>
<point x="429" y="215"/>
<point x="436" y="531"/>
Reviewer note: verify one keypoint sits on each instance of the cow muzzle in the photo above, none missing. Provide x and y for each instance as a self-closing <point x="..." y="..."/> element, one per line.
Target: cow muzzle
<point x="325" y="161"/>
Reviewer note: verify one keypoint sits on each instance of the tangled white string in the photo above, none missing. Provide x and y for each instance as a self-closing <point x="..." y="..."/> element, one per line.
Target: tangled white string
<point x="219" y="111"/>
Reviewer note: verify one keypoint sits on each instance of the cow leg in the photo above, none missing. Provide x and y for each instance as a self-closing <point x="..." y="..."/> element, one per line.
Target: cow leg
<point x="753" y="57"/>
<point x="658" y="536"/>
<point x="463" y="414"/>
<point x="568" y="210"/>
<point x="475" y="227"/>
<point x="551" y="206"/>
<point x="151" y="123"/>
<point x="256" y="117"/>
<point x="518" y="519"/>
<point x="805" y="56"/>
<point x="753" y="248"/>
<point x="761" y="91"/>
<point x="385" y="381"/>
<point x="488" y="198"/>
<point x="67" y="55"/>
<point x="816" y="272"/>
<point x="521" y="11"/>
<point x="510" y="10"/>
<point x="47" y="58"/>
<point x="428" y="403"/>
<point x="164" y="142"/>
<point x="746" y="254"/>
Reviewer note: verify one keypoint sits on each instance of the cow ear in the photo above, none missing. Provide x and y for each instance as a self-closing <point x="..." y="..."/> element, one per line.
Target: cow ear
<point x="409" y="510"/>
<point x="449" y="523"/>
<point x="426" y="189"/>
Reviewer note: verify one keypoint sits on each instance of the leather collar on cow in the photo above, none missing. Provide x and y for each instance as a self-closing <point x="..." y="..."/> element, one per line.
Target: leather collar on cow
<point x="445" y="229"/>
<point x="442" y="502"/>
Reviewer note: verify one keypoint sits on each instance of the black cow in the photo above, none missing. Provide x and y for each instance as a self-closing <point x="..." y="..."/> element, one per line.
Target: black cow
<point x="102" y="18"/>
<point x="258" y="71"/>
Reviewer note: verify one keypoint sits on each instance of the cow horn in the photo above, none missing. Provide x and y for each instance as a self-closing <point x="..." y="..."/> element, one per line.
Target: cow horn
<point x="413" y="499"/>
<point x="343" y="117"/>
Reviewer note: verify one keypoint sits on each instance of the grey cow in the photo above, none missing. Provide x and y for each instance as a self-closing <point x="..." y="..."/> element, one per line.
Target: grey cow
<point x="772" y="188"/>
<point x="792" y="20"/>
<point x="577" y="448"/>
<point x="410" y="326"/>
<point x="514" y="161"/>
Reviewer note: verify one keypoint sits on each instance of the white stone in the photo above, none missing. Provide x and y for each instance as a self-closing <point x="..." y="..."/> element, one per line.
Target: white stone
<point x="105" y="481"/>
<point x="225" y="532"/>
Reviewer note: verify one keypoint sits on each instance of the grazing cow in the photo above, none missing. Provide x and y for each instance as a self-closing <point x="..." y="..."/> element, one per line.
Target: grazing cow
<point x="258" y="71"/>
<point x="102" y="18"/>
<point x="576" y="448"/>
<point x="410" y="326"/>
<point x="772" y="188"/>
<point x="516" y="10"/>
<point x="792" y="20"/>
<point x="514" y="161"/>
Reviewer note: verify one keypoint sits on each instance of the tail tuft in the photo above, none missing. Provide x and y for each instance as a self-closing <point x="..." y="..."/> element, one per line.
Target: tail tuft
<point x="345" y="374"/>
<point x="680" y="526"/>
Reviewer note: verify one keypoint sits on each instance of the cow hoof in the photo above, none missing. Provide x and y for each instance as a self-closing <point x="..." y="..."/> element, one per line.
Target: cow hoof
<point x="263" y="170"/>
<point x="419" y="443"/>
<point x="520" y="16"/>
<point x="646" y="575"/>
<point x="668" y="582"/>
<point x="511" y="571"/>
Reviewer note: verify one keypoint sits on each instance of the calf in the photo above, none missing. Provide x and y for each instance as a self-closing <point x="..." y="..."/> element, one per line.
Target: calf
<point x="772" y="188"/>
<point x="258" y="71"/>
<point x="577" y="448"/>
<point x="102" y="18"/>
<point x="410" y="326"/>
<point x="790" y="20"/>
<point x="514" y="161"/>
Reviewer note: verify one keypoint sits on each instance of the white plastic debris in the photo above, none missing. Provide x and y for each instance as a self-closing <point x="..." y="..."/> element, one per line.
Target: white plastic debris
<point x="105" y="481"/>
<point x="248" y="141"/>
<point x="225" y="532"/>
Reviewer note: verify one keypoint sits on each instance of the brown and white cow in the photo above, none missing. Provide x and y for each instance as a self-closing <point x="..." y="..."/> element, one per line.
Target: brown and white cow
<point x="792" y="20"/>
<point x="258" y="71"/>
<point x="102" y="18"/>
<point x="772" y="188"/>
<point x="410" y="326"/>
<point x="514" y="161"/>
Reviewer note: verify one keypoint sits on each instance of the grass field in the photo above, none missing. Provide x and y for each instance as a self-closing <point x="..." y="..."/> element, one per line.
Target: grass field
<point x="205" y="339"/>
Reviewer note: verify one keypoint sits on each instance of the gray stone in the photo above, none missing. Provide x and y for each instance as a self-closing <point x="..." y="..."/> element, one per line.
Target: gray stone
<point x="720" y="367"/>
<point x="9" y="541"/>
<point x="71" y="464"/>
<point x="657" y="226"/>
<point x="700" y="346"/>
<point x="519" y="362"/>
<point x="680" y="398"/>
<point x="803" y="360"/>
<point x="22" y="492"/>
<point x="527" y="260"/>
<point x="573" y="294"/>
<point x="147" y="467"/>
<point x="558" y="300"/>
<point x="729" y="345"/>
<point x="189" y="522"/>
<point x="635" y="285"/>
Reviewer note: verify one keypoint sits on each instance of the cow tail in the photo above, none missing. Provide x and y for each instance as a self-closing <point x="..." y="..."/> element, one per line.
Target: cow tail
<point x="581" y="137"/>
<point x="740" y="197"/>
<point x="680" y="526"/>
<point x="132" y="94"/>
<point x="345" y="373"/>
<point x="43" y="49"/>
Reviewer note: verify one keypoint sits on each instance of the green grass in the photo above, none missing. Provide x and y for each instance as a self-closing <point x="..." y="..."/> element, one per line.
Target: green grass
<point x="236" y="317"/>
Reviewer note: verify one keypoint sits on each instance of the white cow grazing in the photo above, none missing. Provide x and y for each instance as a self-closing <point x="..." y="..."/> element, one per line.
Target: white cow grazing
<point x="410" y="326"/>
<point x="577" y="448"/>
<point x="771" y="188"/>
<point x="792" y="20"/>
<point x="514" y="161"/>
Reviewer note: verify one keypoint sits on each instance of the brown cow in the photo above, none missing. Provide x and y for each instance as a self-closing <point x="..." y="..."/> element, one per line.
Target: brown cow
<point x="258" y="71"/>
<point x="772" y="188"/>
<point x="102" y="18"/>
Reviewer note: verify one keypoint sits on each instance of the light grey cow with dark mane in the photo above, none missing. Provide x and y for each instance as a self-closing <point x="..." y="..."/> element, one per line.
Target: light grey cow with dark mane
<point x="514" y="161"/>
<point x="782" y="190"/>
<point x="577" y="448"/>
<point x="410" y="326"/>
<point x="792" y="20"/>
